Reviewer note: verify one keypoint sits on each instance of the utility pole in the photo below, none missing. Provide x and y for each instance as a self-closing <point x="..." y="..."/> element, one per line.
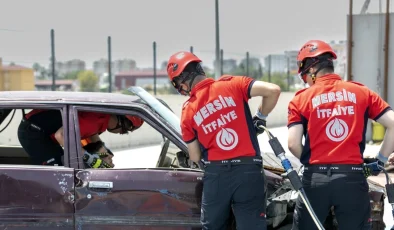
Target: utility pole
<point x="247" y="64"/>
<point x="191" y="49"/>
<point x="53" y="59"/>
<point x="154" y="68"/>
<point x="221" y="62"/>
<point x="288" y="73"/>
<point x="350" y="43"/>
<point x="269" y="68"/>
<point x="386" y="52"/>
<point x="217" y="63"/>
<point x="260" y="71"/>
<point x="109" y="65"/>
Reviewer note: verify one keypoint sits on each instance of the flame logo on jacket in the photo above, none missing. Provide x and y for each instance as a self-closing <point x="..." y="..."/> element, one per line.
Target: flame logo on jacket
<point x="227" y="139"/>
<point x="337" y="130"/>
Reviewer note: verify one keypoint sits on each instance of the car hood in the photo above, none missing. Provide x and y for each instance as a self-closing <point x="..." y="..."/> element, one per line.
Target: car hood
<point x="159" y="106"/>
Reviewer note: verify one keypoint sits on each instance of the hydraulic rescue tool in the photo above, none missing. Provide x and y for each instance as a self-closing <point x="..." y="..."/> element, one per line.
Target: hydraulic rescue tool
<point x="376" y="168"/>
<point x="291" y="173"/>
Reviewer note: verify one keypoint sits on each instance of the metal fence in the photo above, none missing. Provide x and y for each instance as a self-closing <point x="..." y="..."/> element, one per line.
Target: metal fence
<point x="234" y="63"/>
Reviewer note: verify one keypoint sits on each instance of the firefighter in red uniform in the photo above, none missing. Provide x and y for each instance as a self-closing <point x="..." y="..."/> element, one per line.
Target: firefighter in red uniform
<point x="332" y="115"/>
<point x="41" y="135"/>
<point x="220" y="131"/>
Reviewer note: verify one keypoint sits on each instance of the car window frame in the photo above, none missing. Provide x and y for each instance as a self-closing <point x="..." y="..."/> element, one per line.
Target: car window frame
<point x="168" y="125"/>
<point x="136" y="109"/>
<point x="60" y="106"/>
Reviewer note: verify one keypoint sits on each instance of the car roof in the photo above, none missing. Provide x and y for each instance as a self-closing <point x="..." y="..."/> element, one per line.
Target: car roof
<point x="67" y="97"/>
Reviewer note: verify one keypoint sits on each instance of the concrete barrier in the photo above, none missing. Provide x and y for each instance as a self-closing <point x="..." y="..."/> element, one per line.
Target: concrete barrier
<point x="278" y="117"/>
<point x="147" y="135"/>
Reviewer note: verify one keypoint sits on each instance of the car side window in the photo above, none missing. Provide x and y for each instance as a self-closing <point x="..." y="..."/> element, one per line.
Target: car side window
<point x="31" y="141"/>
<point x="143" y="147"/>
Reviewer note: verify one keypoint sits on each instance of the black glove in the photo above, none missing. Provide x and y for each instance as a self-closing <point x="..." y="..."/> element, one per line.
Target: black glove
<point x="372" y="167"/>
<point x="258" y="122"/>
<point x="94" y="160"/>
<point x="94" y="147"/>
<point x="109" y="151"/>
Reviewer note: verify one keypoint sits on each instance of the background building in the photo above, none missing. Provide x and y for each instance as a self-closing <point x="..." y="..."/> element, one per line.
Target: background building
<point x="123" y="65"/>
<point x="100" y="67"/>
<point x="143" y="78"/>
<point x="340" y="48"/>
<point x="16" y="77"/>
<point x="292" y="55"/>
<point x="63" y="68"/>
<point x="275" y="63"/>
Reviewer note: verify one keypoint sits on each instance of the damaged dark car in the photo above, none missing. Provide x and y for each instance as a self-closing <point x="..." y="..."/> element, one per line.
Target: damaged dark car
<point x="162" y="193"/>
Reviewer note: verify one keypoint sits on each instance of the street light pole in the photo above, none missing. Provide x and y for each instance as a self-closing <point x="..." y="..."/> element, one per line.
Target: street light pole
<point x="154" y="68"/>
<point x="221" y="62"/>
<point x="247" y="64"/>
<point x="109" y="65"/>
<point x="53" y="59"/>
<point x="288" y="73"/>
<point x="217" y="59"/>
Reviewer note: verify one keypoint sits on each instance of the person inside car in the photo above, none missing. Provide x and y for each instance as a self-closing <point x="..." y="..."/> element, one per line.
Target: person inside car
<point x="41" y="135"/>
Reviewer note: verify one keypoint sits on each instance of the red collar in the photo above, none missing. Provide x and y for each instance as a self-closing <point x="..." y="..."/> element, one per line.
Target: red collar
<point x="202" y="84"/>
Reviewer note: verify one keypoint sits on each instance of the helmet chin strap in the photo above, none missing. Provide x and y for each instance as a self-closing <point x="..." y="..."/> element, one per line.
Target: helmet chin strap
<point x="187" y="92"/>
<point x="313" y="75"/>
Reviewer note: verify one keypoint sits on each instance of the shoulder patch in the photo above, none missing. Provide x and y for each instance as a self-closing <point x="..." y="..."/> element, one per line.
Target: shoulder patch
<point x="357" y="83"/>
<point x="300" y="91"/>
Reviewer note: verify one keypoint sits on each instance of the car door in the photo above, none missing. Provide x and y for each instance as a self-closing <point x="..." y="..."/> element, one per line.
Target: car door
<point x="145" y="199"/>
<point x="34" y="196"/>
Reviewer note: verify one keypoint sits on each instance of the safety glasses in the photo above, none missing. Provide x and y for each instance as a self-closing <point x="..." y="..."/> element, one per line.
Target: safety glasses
<point x="301" y="74"/>
<point x="178" y="88"/>
<point x="300" y="64"/>
<point x="181" y="79"/>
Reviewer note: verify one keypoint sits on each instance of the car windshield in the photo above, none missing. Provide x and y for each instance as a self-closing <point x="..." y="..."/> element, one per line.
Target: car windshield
<point x="157" y="106"/>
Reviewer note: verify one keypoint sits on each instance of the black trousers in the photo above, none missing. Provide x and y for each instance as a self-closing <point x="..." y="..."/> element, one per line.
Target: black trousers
<point x="241" y="188"/>
<point x="39" y="145"/>
<point x="346" y="192"/>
